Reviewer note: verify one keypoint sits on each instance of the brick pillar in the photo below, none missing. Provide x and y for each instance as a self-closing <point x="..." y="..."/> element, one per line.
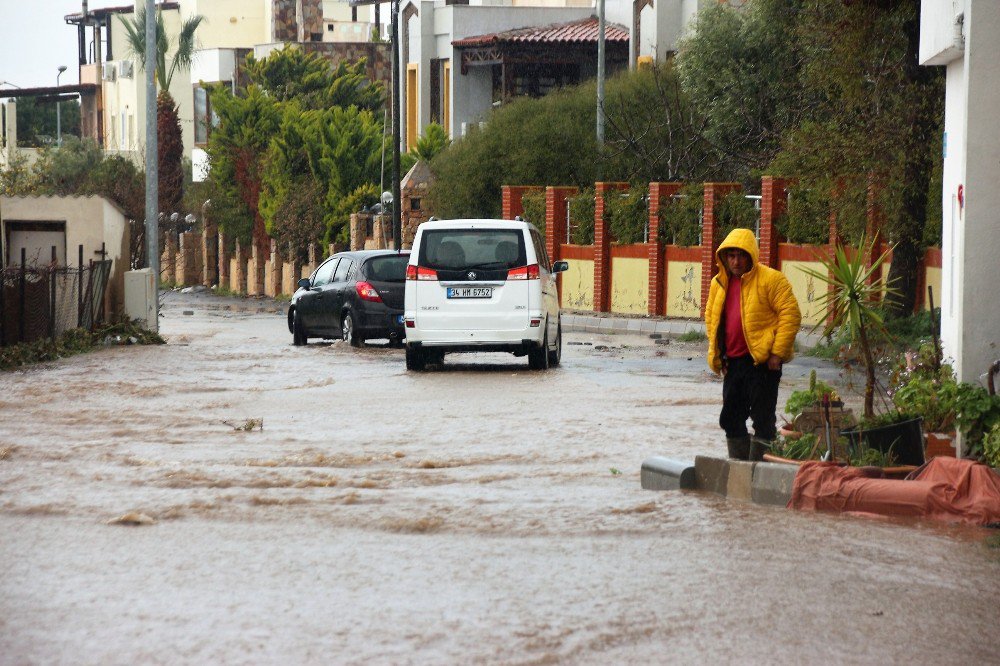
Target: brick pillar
<point x="710" y="236"/>
<point x="291" y="272"/>
<point x="773" y="204"/>
<point x="238" y="270"/>
<point x="273" y="270"/>
<point x="187" y="266"/>
<point x="555" y="224"/>
<point x="313" y="252"/>
<point x="511" y="199"/>
<point x="168" y="260"/>
<point x="209" y="249"/>
<point x="659" y="193"/>
<point x="224" y="258"/>
<point x="602" y="248"/>
<point x="359" y="230"/>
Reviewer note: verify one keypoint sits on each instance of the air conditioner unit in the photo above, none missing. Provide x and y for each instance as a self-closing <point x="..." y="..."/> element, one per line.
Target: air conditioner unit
<point x="126" y="69"/>
<point x="109" y="72"/>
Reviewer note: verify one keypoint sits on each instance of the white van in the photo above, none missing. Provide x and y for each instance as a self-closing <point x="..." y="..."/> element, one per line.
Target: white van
<point x="481" y="285"/>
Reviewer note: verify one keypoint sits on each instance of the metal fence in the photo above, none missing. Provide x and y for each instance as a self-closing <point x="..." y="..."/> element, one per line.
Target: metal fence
<point x="39" y="302"/>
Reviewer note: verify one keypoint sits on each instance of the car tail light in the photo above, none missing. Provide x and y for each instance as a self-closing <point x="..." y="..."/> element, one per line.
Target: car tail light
<point x="535" y="323"/>
<point x="420" y="273"/>
<point x="367" y="292"/>
<point x="411" y="323"/>
<point x="523" y="273"/>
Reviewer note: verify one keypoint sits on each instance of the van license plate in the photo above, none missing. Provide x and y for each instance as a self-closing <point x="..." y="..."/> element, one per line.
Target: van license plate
<point x="470" y="292"/>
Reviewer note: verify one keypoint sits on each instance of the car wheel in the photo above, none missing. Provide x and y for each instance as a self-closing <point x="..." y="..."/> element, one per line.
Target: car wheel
<point x="298" y="330"/>
<point x="555" y="355"/>
<point x="350" y="331"/>
<point x="415" y="359"/>
<point x="538" y="358"/>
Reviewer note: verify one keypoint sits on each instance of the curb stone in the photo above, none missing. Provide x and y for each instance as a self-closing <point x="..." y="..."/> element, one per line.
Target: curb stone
<point x="659" y="473"/>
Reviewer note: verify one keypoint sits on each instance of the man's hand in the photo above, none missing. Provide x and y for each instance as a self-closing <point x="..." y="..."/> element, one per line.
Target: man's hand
<point x="774" y="362"/>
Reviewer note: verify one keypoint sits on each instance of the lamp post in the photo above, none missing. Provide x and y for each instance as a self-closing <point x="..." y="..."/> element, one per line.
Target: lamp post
<point x="62" y="68"/>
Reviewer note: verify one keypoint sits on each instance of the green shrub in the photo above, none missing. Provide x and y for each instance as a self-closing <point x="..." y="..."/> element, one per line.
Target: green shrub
<point x="807" y="217"/>
<point x="533" y="204"/>
<point x="581" y="217"/>
<point x="735" y="211"/>
<point x="627" y="215"/>
<point x="680" y="216"/>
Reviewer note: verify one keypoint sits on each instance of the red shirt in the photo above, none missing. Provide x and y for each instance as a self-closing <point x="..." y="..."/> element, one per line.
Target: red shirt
<point x="736" y="344"/>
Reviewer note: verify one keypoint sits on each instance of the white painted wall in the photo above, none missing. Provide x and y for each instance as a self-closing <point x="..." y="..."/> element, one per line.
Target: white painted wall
<point x="970" y="322"/>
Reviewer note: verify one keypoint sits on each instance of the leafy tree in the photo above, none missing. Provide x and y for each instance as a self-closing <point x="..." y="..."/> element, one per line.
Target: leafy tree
<point x="36" y="121"/>
<point x="434" y="140"/>
<point x="168" y="128"/>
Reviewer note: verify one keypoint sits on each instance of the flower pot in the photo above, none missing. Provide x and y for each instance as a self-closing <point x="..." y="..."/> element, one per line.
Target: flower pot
<point x="905" y="439"/>
<point x="939" y="444"/>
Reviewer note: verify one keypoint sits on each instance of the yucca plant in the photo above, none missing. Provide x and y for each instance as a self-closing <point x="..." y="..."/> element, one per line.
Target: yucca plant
<point x="852" y="302"/>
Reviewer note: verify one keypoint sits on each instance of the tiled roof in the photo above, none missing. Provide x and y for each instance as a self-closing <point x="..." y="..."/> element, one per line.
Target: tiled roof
<point x="583" y="31"/>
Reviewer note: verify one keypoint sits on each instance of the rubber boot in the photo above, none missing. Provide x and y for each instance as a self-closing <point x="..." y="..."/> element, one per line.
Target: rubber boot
<point x="739" y="447"/>
<point x="758" y="447"/>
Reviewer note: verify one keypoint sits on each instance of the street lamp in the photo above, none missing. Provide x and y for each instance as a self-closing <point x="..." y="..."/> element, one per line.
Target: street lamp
<point x="62" y="68"/>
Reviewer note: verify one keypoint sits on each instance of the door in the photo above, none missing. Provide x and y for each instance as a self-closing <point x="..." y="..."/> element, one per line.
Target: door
<point x="338" y="294"/>
<point x="549" y="286"/>
<point x="311" y="304"/>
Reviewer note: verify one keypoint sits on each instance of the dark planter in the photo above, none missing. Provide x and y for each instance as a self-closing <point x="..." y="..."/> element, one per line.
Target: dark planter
<point x="904" y="438"/>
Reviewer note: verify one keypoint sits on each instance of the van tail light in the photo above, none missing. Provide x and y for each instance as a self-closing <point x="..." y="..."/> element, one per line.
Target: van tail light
<point x="367" y="292"/>
<point x="420" y="273"/>
<point x="523" y="273"/>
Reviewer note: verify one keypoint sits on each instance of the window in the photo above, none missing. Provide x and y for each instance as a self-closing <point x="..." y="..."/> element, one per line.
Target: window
<point x="343" y="270"/>
<point x="390" y="268"/>
<point x="203" y="119"/>
<point x="414" y="203"/>
<point x="457" y="249"/>
<point x="411" y="106"/>
<point x="325" y="271"/>
<point x="543" y="257"/>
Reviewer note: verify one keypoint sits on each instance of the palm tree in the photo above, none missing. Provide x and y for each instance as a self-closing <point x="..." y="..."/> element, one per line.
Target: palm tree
<point x="171" y="174"/>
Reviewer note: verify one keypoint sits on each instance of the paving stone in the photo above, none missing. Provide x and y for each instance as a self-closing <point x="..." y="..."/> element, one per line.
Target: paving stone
<point x="739" y="483"/>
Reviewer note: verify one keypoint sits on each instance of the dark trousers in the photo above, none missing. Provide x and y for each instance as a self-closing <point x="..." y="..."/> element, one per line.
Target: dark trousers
<point x="749" y="391"/>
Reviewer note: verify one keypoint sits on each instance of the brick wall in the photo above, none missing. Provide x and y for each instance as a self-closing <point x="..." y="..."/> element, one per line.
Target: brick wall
<point x="659" y="194"/>
<point x="602" y="247"/>
<point x="710" y="234"/>
<point x="510" y="198"/>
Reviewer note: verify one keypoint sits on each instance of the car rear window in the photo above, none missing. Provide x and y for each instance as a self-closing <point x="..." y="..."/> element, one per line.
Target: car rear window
<point x="390" y="268"/>
<point x="459" y="249"/>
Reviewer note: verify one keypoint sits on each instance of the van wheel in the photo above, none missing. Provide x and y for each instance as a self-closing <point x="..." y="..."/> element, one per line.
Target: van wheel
<point x="538" y="358"/>
<point x="415" y="359"/>
<point x="298" y="330"/>
<point x="555" y="355"/>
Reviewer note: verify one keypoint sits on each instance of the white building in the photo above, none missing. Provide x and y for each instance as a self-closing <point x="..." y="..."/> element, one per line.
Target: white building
<point x="964" y="36"/>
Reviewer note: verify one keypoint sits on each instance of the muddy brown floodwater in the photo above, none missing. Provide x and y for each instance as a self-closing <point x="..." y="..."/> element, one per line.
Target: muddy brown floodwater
<point x="475" y="513"/>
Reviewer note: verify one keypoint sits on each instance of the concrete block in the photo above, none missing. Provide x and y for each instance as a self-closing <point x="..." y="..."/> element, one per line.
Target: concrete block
<point x="647" y="325"/>
<point x="606" y="324"/>
<point x="772" y="483"/>
<point x="659" y="473"/>
<point x="632" y="325"/>
<point x="711" y="474"/>
<point x="739" y="483"/>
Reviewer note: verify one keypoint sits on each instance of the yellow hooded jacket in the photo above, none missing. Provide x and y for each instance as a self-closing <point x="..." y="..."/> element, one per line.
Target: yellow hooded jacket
<point x="770" y="313"/>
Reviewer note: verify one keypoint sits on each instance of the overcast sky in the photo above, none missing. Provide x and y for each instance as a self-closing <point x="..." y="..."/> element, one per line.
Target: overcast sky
<point x="35" y="40"/>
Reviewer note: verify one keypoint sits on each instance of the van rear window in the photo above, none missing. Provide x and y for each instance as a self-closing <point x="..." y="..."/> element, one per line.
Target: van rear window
<point x="460" y="249"/>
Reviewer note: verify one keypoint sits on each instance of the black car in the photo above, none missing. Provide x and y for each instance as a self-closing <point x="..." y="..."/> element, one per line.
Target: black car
<point x="353" y="296"/>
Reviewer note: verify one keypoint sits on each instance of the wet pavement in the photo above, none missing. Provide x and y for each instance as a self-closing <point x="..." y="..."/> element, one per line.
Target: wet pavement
<point x="478" y="512"/>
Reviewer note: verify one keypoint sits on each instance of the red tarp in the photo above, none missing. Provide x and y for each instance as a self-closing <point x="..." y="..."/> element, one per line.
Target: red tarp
<point x="948" y="489"/>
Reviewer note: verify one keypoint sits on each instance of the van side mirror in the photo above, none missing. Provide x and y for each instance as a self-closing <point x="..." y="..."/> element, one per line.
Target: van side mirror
<point x="304" y="283"/>
<point x="560" y="266"/>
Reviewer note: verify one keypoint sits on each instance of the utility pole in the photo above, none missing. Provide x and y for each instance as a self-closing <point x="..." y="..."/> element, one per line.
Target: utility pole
<point x="397" y="225"/>
<point x="62" y="68"/>
<point x="152" y="162"/>
<point x="600" y="89"/>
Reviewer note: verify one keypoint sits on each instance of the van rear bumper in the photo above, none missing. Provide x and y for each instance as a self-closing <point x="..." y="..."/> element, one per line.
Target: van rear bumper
<point x="518" y="349"/>
<point x="509" y="341"/>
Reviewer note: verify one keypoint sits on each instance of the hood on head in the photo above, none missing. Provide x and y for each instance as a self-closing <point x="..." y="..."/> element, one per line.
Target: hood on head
<point x="741" y="239"/>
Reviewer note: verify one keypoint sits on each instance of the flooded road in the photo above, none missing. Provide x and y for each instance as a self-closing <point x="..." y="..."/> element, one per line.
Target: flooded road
<point x="478" y="512"/>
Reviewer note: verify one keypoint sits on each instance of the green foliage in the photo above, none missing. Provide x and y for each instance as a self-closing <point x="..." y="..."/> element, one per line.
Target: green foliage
<point x="37" y="125"/>
<point x="627" y="215"/>
<point x="991" y="446"/>
<point x="17" y="178"/>
<point x="866" y="456"/>
<point x="804" y="398"/>
<point x="935" y="400"/>
<point x="795" y="448"/>
<point x="978" y="416"/>
<point x="184" y="47"/>
<point x="434" y="140"/>
<point x="680" y="217"/>
<point x="338" y="227"/>
<point x="170" y="154"/>
<point x="75" y="341"/>
<point x="533" y="204"/>
<point x="308" y="79"/>
<point x="735" y="211"/>
<point x="807" y="219"/>
<point x="741" y="68"/>
<point x="581" y="217"/>
<point x="692" y="336"/>
<point x="850" y="302"/>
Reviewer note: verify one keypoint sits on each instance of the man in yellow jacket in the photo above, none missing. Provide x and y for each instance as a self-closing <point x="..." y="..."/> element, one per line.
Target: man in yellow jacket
<point x="751" y="319"/>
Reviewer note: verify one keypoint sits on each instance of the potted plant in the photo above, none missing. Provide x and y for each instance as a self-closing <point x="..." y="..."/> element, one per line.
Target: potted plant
<point x="978" y="417"/>
<point x="851" y="304"/>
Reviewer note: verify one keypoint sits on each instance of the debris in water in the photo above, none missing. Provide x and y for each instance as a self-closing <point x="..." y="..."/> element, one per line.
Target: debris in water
<point x="188" y="312"/>
<point x="132" y="518"/>
<point x="247" y="426"/>
<point x="615" y="471"/>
